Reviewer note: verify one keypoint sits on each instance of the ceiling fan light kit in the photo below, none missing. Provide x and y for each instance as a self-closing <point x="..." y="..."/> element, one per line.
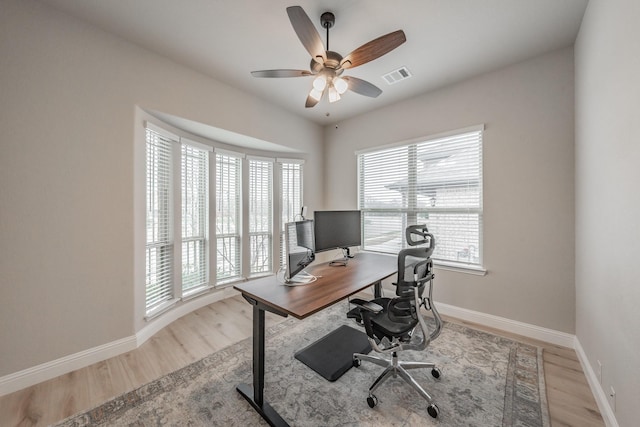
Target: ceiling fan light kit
<point x="333" y="94"/>
<point x="340" y="84"/>
<point x="327" y="65"/>
<point x="320" y="82"/>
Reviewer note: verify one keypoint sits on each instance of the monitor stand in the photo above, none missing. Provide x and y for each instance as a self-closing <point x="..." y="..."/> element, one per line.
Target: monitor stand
<point x="300" y="279"/>
<point x="346" y="254"/>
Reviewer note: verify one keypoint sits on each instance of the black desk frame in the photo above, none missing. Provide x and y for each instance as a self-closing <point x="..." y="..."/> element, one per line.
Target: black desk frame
<point x="255" y="395"/>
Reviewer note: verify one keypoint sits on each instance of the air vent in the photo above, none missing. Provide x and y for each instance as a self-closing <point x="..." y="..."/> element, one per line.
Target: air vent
<point x="395" y="76"/>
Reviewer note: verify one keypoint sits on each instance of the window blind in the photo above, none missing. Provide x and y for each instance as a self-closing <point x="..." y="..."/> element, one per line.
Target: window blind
<point x="437" y="181"/>
<point x="228" y="216"/>
<point x="195" y="237"/>
<point x="291" y="197"/>
<point x="159" y="240"/>
<point x="260" y="215"/>
<point x="195" y="217"/>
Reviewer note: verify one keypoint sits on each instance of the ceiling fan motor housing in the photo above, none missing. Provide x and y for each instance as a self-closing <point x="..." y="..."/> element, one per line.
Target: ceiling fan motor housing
<point x="327" y="19"/>
<point x="332" y="62"/>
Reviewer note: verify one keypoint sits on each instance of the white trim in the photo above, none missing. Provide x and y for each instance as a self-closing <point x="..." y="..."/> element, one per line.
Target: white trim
<point x="161" y="131"/>
<point x="187" y="307"/>
<point x="46" y="371"/>
<point x="197" y="291"/>
<point x="596" y="388"/>
<point x="224" y="152"/>
<point x="196" y="144"/>
<point x="476" y="270"/>
<point x="475" y="128"/>
<point x="160" y="309"/>
<point x="261" y="158"/>
<point x="508" y="325"/>
<point x="295" y="161"/>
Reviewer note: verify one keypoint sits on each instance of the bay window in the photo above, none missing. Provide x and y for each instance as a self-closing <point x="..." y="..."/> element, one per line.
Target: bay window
<point x="191" y="185"/>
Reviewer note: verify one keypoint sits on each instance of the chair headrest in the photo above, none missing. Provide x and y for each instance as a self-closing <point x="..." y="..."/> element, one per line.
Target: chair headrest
<point x="418" y="235"/>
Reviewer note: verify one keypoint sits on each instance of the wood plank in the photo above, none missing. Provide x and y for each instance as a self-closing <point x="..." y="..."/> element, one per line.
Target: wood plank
<point x="223" y="323"/>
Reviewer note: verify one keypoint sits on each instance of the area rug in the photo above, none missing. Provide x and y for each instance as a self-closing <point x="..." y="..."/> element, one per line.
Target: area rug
<point x="486" y="380"/>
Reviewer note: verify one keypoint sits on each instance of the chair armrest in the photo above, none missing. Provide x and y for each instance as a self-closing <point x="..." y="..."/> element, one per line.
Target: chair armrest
<point x="367" y="310"/>
<point x="367" y="305"/>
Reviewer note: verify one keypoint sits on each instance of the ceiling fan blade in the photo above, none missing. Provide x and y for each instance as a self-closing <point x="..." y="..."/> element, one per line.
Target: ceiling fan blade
<point x="374" y="49"/>
<point x="281" y="73"/>
<point x="362" y="87"/>
<point x="307" y="33"/>
<point x="311" y="102"/>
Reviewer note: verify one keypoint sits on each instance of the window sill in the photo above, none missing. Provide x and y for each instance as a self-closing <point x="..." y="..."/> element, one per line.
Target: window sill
<point x="162" y="308"/>
<point x="196" y="292"/>
<point x="476" y="270"/>
<point x="229" y="282"/>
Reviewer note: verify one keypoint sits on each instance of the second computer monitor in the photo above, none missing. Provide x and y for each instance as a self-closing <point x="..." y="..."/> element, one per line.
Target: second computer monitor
<point x="337" y="229"/>
<point x="299" y="244"/>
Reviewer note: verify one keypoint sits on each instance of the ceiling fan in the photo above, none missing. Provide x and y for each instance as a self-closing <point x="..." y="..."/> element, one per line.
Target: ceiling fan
<point x="327" y="65"/>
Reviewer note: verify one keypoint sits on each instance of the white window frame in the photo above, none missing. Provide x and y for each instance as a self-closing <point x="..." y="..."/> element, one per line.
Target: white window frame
<point x="198" y="167"/>
<point x="176" y="294"/>
<point x="406" y="154"/>
<point x="159" y="219"/>
<point x="173" y="173"/>
<point x="232" y="237"/>
<point x="258" y="227"/>
<point x="293" y="183"/>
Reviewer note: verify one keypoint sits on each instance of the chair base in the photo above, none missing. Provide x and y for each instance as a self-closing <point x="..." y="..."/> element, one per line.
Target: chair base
<point x="394" y="368"/>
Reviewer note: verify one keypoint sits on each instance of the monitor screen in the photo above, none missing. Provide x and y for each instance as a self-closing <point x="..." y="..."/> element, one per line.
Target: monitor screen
<point x="300" y="246"/>
<point x="337" y="229"/>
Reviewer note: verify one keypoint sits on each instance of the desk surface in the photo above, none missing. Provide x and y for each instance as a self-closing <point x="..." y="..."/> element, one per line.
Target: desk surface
<point x="336" y="283"/>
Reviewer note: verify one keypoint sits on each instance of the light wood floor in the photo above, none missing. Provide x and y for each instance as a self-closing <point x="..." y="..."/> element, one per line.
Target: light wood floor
<point x="218" y="325"/>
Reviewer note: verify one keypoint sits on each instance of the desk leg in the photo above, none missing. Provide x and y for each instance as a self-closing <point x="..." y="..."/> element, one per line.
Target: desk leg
<point x="255" y="394"/>
<point x="377" y="289"/>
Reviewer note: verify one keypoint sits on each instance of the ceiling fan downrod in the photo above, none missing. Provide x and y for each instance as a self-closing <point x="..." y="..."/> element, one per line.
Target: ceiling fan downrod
<point x="327" y="20"/>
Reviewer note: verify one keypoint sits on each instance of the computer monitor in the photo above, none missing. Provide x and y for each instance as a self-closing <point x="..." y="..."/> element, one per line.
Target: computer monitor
<point x="300" y="247"/>
<point x="337" y="230"/>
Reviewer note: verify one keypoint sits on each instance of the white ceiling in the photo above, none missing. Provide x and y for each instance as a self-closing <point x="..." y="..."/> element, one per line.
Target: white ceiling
<point x="447" y="40"/>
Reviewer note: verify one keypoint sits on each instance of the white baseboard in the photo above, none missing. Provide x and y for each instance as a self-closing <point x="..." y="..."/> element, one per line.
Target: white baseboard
<point x="46" y="371"/>
<point x="508" y="325"/>
<point x="542" y="334"/>
<point x="184" y="308"/>
<point x="596" y="388"/>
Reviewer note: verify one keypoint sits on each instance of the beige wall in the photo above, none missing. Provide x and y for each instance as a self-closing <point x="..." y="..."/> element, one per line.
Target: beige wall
<point x="68" y="97"/>
<point x="607" y="199"/>
<point x="528" y="182"/>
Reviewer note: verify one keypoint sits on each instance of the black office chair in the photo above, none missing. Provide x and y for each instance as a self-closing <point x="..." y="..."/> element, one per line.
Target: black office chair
<point x="390" y="323"/>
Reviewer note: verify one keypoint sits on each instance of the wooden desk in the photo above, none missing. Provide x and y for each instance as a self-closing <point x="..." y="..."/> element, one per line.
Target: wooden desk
<point x="268" y="294"/>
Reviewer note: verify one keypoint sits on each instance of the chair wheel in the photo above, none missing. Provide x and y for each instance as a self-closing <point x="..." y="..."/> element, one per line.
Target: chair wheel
<point x="357" y="362"/>
<point x="433" y="410"/>
<point x="372" y="401"/>
<point x="436" y="373"/>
